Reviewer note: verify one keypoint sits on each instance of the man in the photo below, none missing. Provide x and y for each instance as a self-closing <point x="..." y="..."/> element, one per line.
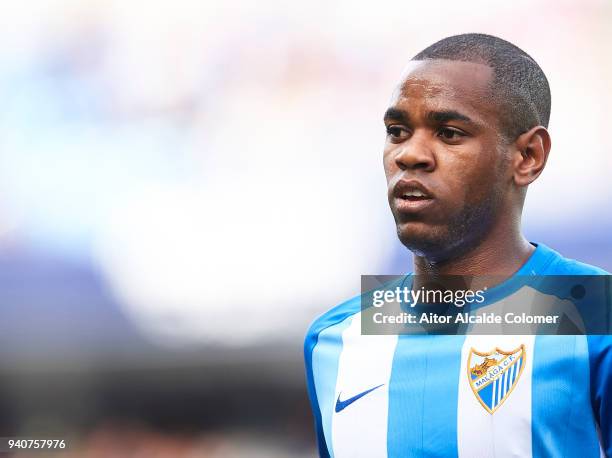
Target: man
<point x="466" y="135"/>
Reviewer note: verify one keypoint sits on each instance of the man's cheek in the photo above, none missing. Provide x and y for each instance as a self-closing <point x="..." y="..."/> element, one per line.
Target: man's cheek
<point x="389" y="161"/>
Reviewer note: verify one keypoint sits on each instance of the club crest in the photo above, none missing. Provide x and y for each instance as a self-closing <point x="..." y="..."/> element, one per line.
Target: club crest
<point x="494" y="375"/>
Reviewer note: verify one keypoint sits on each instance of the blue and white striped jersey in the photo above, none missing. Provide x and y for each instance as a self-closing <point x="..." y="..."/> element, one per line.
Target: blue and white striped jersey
<point x="426" y="396"/>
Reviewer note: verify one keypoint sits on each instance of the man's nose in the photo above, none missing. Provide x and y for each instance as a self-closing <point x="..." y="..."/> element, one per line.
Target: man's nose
<point x="415" y="153"/>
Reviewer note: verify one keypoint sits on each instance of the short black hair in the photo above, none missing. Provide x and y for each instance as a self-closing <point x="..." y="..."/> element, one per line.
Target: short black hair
<point x="519" y="84"/>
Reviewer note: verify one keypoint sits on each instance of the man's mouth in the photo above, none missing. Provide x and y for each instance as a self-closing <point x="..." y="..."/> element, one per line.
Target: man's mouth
<point x="414" y="195"/>
<point x="411" y="196"/>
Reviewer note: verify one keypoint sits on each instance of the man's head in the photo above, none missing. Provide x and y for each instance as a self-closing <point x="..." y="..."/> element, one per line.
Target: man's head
<point x="466" y="134"/>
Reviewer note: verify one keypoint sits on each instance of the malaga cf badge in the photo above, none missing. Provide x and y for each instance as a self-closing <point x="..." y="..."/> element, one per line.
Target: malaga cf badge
<point x="494" y="375"/>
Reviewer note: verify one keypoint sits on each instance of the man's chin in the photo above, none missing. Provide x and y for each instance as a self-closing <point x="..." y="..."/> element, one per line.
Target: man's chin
<point x="422" y="239"/>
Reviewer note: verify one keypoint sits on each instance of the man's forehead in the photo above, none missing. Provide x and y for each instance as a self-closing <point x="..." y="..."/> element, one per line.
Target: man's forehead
<point x="442" y="77"/>
<point x="447" y="84"/>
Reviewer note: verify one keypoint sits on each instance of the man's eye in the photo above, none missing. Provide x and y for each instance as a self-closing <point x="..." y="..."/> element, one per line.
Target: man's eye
<point x="447" y="133"/>
<point x="396" y="132"/>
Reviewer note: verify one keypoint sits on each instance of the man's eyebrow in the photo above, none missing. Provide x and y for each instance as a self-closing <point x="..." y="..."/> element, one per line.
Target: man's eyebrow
<point x="395" y="114"/>
<point x="448" y="115"/>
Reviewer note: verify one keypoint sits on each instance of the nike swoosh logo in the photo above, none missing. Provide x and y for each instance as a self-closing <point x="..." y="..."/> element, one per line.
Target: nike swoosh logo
<point x="341" y="405"/>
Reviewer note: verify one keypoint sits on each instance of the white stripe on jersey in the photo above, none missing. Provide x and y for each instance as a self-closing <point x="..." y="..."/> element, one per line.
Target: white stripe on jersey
<point x="506" y="432"/>
<point x="360" y="429"/>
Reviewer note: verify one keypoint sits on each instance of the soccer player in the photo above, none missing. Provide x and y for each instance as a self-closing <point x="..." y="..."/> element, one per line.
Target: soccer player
<point x="466" y="135"/>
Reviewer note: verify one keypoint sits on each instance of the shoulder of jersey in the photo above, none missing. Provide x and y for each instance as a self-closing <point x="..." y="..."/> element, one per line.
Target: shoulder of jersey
<point x="566" y="266"/>
<point x="341" y="312"/>
<point x="336" y="315"/>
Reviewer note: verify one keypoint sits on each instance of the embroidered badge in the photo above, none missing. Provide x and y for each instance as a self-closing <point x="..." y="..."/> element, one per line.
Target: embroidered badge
<point x="494" y="375"/>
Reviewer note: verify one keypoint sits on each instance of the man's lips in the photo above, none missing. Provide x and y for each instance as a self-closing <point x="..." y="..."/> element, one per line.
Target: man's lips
<point x="411" y="196"/>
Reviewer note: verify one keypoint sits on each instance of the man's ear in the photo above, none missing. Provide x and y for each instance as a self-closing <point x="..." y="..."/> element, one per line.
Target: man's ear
<point x="531" y="154"/>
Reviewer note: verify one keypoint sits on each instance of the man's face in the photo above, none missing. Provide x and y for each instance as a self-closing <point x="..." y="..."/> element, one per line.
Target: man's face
<point x="444" y="159"/>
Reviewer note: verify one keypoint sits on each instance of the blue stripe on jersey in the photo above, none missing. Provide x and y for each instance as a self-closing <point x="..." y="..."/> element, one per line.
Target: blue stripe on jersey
<point x="322" y="348"/>
<point x="561" y="416"/>
<point x="600" y="359"/>
<point x="423" y="388"/>
<point x="325" y="364"/>
<point x="598" y="370"/>
<point x="309" y="344"/>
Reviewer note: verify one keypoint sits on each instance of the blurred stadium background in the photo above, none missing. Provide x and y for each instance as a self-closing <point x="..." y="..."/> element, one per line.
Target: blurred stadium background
<point x="185" y="185"/>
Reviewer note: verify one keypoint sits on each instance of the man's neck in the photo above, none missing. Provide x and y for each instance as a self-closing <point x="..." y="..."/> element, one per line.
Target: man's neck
<point x="499" y="256"/>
